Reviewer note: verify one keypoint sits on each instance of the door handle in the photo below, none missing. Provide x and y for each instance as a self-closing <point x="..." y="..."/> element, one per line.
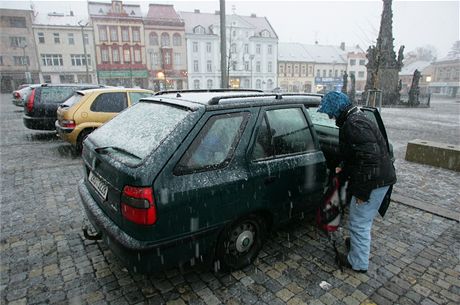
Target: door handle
<point x="269" y="179"/>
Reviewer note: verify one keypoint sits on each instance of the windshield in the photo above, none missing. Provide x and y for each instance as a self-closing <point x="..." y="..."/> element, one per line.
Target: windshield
<point x="56" y="94"/>
<point x="75" y="98"/>
<point x="134" y="133"/>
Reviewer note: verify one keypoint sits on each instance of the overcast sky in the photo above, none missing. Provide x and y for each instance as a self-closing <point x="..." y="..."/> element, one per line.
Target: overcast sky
<point x="415" y="23"/>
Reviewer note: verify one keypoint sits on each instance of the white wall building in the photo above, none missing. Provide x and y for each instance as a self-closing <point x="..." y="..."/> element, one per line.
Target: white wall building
<point x="60" y="48"/>
<point x="252" y="51"/>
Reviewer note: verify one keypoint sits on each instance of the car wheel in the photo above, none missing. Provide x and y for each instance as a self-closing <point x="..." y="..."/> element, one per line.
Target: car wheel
<point x="241" y="242"/>
<point x="81" y="137"/>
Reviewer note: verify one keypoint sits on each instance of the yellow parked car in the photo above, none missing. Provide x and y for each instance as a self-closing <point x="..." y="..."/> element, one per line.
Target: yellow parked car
<point x="86" y="110"/>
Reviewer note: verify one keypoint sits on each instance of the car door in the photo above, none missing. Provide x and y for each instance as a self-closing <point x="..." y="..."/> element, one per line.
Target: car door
<point x="287" y="168"/>
<point x="104" y="107"/>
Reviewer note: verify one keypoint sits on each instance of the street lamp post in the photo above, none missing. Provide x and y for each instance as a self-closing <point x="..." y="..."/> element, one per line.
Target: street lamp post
<point x="251" y="57"/>
<point x="84" y="48"/>
<point x="24" y="62"/>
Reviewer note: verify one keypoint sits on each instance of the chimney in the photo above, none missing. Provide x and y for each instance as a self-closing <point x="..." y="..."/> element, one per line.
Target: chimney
<point x="197" y="11"/>
<point x="342" y="46"/>
<point x="253" y="15"/>
<point x="217" y="12"/>
<point x="71" y="13"/>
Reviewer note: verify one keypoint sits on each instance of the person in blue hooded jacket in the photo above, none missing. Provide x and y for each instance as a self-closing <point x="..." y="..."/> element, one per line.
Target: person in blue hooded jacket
<point x="367" y="165"/>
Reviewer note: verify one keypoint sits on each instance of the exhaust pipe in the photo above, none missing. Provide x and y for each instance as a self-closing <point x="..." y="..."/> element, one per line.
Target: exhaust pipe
<point x="91" y="236"/>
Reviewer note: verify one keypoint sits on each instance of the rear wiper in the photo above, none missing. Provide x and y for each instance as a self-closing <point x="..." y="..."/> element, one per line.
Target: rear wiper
<point x="105" y="148"/>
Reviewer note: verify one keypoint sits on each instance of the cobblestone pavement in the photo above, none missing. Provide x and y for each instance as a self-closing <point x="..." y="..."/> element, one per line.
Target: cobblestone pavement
<point x="46" y="260"/>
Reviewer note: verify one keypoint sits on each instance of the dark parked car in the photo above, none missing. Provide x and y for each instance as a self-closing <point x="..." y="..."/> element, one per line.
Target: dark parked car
<point x="43" y="102"/>
<point x="192" y="175"/>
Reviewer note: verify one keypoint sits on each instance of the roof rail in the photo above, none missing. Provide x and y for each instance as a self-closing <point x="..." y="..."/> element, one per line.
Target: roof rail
<point x="301" y="94"/>
<point x="215" y="100"/>
<point x="205" y="90"/>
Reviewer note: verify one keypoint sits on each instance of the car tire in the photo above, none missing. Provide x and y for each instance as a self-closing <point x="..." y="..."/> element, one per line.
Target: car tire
<point x="240" y="243"/>
<point x="81" y="137"/>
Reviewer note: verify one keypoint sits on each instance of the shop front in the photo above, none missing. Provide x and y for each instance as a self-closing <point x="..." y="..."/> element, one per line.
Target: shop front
<point x="124" y="78"/>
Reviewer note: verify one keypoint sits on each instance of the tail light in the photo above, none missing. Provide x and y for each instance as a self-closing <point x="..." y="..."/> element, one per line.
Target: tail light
<point x="30" y="101"/>
<point x="17" y="95"/>
<point x="68" y="123"/>
<point x="137" y="205"/>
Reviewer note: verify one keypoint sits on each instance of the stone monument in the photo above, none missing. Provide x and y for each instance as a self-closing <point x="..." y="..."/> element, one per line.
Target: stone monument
<point x="345" y="82"/>
<point x="352" y="94"/>
<point x="383" y="67"/>
<point x="414" y="90"/>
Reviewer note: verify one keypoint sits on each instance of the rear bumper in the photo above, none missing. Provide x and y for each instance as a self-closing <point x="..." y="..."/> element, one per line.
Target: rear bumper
<point x="65" y="133"/>
<point x="19" y="103"/>
<point x="143" y="256"/>
<point x="39" y="123"/>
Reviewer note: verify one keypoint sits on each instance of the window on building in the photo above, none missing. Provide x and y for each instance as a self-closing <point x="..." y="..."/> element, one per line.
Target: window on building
<point x="258" y="49"/>
<point x="362" y="62"/>
<point x="195" y="66"/>
<point x="195" y="47"/>
<point x="17" y="42"/>
<point x="137" y="55"/>
<point x="57" y="39"/>
<point x="113" y="33"/>
<point x="126" y="55"/>
<point x="281" y="68"/>
<point x="352" y="62"/>
<point x="269" y="67"/>
<point x="124" y="34"/>
<point x="104" y="55"/>
<point x="246" y="66"/>
<point x="70" y="38"/>
<point x="153" y="39"/>
<point x="177" y="40"/>
<point x="21" y="60"/>
<point x="79" y="59"/>
<point x="86" y="38"/>
<point x="324" y="73"/>
<point x="136" y="34"/>
<point x="67" y="78"/>
<point x="208" y="47"/>
<point x="304" y="70"/>
<point x="209" y="66"/>
<point x="115" y="54"/>
<point x="17" y="22"/>
<point x="177" y="59"/>
<point x="196" y="84"/>
<point x="336" y="73"/>
<point x="246" y="48"/>
<point x="233" y="33"/>
<point x="258" y="84"/>
<point x="234" y="63"/>
<point x="167" y="58"/>
<point x="318" y="73"/>
<point x="52" y="60"/>
<point x="258" y="66"/>
<point x="165" y="40"/>
<point x="209" y="83"/>
<point x="47" y="78"/>
<point x="157" y="59"/>
<point x="269" y="84"/>
<point x="310" y="70"/>
<point x="288" y="70"/>
<point x="41" y="37"/>
<point x="198" y="30"/>
<point x="296" y="70"/>
<point x="233" y="48"/>
<point x="103" y="33"/>
<point x="269" y="49"/>
<point x="361" y="74"/>
<point x="247" y="83"/>
<point x="1" y="60"/>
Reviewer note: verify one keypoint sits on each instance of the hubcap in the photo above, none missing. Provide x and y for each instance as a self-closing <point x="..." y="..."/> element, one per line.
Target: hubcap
<point x="244" y="241"/>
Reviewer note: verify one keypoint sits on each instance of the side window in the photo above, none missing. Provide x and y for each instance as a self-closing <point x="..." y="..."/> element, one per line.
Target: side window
<point x="136" y="96"/>
<point x="110" y="102"/>
<point x="215" y="144"/>
<point x="283" y="132"/>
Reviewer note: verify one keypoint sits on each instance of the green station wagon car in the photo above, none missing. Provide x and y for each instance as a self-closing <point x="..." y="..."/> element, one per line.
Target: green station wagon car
<point x="196" y="175"/>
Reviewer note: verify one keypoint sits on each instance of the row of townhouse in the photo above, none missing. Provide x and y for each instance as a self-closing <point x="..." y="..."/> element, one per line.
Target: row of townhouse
<point x="163" y="50"/>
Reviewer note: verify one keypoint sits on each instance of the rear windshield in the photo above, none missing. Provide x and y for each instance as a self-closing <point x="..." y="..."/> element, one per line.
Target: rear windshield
<point x="56" y="94"/>
<point x="138" y="131"/>
<point x="75" y="98"/>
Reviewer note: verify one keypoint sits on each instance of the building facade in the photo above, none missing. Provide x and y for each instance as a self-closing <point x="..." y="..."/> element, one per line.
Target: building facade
<point x="446" y="76"/>
<point x="18" y="59"/>
<point x="119" y="43"/>
<point x="356" y="65"/>
<point x="295" y="68"/>
<point x="252" y="50"/>
<point x="165" y="48"/>
<point x="65" y="48"/>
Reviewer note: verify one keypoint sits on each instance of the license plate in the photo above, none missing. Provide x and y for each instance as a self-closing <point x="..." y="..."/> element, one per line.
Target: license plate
<point x="98" y="185"/>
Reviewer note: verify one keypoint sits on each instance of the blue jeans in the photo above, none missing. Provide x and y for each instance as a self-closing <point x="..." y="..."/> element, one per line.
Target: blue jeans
<point x="360" y="223"/>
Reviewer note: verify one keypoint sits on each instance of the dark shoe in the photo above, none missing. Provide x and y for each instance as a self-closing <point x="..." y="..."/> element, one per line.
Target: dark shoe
<point x="348" y="243"/>
<point x="343" y="261"/>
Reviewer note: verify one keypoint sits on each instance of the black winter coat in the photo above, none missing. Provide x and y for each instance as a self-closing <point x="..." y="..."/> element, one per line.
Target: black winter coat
<point x="366" y="160"/>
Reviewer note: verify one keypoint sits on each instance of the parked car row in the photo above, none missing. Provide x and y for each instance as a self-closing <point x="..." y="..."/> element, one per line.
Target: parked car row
<point x="73" y="110"/>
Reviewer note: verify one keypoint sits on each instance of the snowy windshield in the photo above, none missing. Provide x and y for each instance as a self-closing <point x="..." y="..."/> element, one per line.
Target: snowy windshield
<point x="134" y="133"/>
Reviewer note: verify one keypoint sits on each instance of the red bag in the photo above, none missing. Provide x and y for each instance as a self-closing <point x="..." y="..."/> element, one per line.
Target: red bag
<point x="329" y="212"/>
